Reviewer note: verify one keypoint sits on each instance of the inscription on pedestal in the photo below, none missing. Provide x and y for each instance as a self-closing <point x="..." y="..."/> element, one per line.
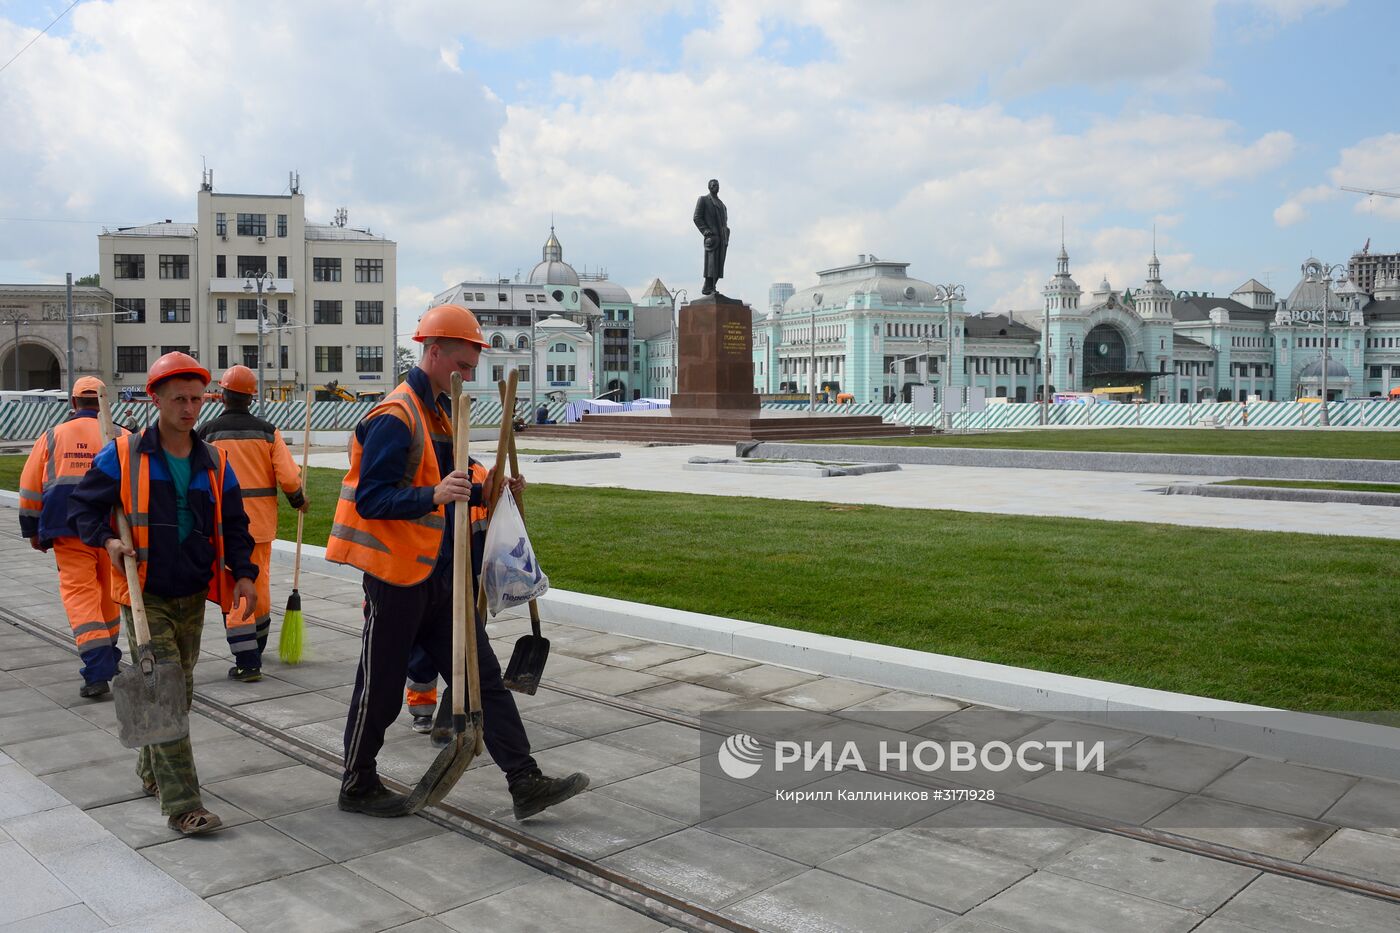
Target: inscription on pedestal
<point x="716" y="360"/>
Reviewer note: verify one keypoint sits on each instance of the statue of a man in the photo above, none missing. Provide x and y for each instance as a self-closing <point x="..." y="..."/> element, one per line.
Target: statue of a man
<point x="712" y="220"/>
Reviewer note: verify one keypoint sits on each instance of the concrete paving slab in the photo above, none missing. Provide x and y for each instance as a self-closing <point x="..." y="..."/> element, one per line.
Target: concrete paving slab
<point x="665" y="741"/>
<point x="425" y="925"/>
<point x="1047" y="903"/>
<point x="1370" y="805"/>
<point x="341" y="836"/>
<point x="329" y="899"/>
<point x="980" y="724"/>
<point x="704" y="868"/>
<point x="614" y="681"/>
<point x="194" y="917"/>
<point x="295" y="710"/>
<point x="236" y="693"/>
<point x="596" y="826"/>
<point x="1021" y="837"/>
<point x="1279" y="834"/>
<point x="234" y="858"/>
<point x="139" y="823"/>
<point x="1168" y="763"/>
<point x="676" y="793"/>
<point x="23" y="700"/>
<point x="29" y="889"/>
<point x="890" y="813"/>
<point x="80" y="749"/>
<point x="913" y="865"/>
<point x="92" y="787"/>
<point x="56" y="830"/>
<point x="442" y="872"/>
<point x="601" y="762"/>
<point x="545" y="905"/>
<point x="116" y="883"/>
<point x="1284" y="905"/>
<point x="40" y="723"/>
<point x="705" y="664"/>
<point x="759" y="680"/>
<point x="804" y="834"/>
<point x="686" y="697"/>
<point x="1366" y="855"/>
<point x="316" y="674"/>
<point x="74" y="919"/>
<point x="1288" y="788"/>
<point x="645" y="656"/>
<point x="1095" y="794"/>
<point x="900" y="709"/>
<point x="269" y="794"/>
<point x="21" y="658"/>
<point x="825" y="694"/>
<point x="819" y="900"/>
<point x="229" y="758"/>
<point x="1064" y="730"/>
<point x="601" y="644"/>
<point x="585" y="718"/>
<point x="47" y="675"/>
<point x="1191" y="882"/>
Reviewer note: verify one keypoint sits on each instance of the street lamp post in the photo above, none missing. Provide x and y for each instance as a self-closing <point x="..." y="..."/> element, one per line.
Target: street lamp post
<point x="264" y="285"/>
<point x="675" y="339"/>
<point x="1045" y="373"/>
<point x="17" y="318"/>
<point x="948" y="294"/>
<point x="1325" y="273"/>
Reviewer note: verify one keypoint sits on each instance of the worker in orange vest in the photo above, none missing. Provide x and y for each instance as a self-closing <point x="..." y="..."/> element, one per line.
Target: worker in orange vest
<point x="58" y="462"/>
<point x="263" y="463"/>
<point x="190" y="541"/>
<point x="395" y="504"/>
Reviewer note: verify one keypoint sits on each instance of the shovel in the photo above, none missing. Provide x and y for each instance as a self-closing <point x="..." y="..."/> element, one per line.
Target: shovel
<point x="150" y="697"/>
<point x="498" y="472"/>
<point x="526" y="666"/>
<point x="443" y="773"/>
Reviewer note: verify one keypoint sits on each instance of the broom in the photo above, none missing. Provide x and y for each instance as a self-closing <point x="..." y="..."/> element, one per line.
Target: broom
<point x="293" y="624"/>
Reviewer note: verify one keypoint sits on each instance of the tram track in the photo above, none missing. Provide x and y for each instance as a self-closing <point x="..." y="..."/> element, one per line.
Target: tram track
<point x="654" y="902"/>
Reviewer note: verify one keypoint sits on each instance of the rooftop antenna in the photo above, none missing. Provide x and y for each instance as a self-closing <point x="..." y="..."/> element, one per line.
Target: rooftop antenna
<point x="294" y="181"/>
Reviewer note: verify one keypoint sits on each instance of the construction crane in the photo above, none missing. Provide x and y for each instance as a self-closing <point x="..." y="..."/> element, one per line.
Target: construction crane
<point x="1384" y="194"/>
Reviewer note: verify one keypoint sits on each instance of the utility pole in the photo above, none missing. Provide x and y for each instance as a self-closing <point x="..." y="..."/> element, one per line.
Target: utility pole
<point x="72" y="376"/>
<point x="812" y="365"/>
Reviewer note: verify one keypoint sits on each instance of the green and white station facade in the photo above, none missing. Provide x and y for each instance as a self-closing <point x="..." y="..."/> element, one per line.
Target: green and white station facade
<point x="879" y="332"/>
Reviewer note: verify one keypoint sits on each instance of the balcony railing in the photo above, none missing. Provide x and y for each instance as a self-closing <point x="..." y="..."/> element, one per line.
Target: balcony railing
<point x="227" y="286"/>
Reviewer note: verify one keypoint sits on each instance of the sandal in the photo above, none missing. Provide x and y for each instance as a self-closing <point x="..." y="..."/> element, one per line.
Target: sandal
<point x="150" y="788"/>
<point x="195" y="822"/>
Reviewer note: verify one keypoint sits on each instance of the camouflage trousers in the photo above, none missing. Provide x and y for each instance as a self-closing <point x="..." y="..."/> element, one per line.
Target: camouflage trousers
<point x="176" y="626"/>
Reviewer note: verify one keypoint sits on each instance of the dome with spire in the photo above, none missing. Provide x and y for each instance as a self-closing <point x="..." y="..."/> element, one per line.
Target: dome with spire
<point x="1311" y="291"/>
<point x="552" y="269"/>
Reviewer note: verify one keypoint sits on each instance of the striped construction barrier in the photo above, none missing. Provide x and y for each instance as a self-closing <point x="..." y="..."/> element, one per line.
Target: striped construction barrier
<point x="24" y="420"/>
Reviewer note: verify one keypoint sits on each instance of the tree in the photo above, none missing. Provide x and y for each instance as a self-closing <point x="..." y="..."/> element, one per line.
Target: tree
<point x="404" y="360"/>
<point x="92" y="278"/>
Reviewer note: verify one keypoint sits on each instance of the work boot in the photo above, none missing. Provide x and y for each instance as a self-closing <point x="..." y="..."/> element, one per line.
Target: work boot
<point x="537" y="792"/>
<point x="423" y="724"/>
<point x="98" y="688"/>
<point x="247" y="675"/>
<point x="377" y="801"/>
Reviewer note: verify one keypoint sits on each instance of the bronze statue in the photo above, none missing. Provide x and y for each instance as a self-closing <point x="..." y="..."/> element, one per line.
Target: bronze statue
<point x="712" y="220"/>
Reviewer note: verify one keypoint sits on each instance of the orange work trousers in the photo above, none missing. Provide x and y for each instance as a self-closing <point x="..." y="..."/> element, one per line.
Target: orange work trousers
<point x="85" y="586"/>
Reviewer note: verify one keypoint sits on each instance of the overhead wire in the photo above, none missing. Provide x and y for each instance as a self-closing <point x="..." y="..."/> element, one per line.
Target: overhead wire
<point x="41" y="33"/>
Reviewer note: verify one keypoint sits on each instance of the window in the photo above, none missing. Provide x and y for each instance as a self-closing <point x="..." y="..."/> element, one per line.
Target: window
<point x="129" y="266"/>
<point x="325" y="312"/>
<point x="369" y="270"/>
<point x="502" y="296"/>
<point x="369" y="312"/>
<point x="282" y="225"/>
<point x="497" y="343"/>
<point x="325" y="270"/>
<point x="251" y="266"/>
<point x="328" y="359"/>
<point x="369" y="359"/>
<point x="252" y="225"/>
<point x="221" y="223"/>
<point x="282" y="266"/>
<point x="282" y="311"/>
<point x="247" y="309"/>
<point x="221" y="267"/>
<point x="283" y="363"/>
<point x="135" y="309"/>
<point x="174" y="310"/>
<point x="250" y="355"/>
<point x="174" y="267"/>
<point x="498" y="372"/>
<point x="174" y="348"/>
<point x="522" y="342"/>
<point x="131" y="359"/>
<point x="221" y="306"/>
<point x="571" y="374"/>
<point x="1375" y="372"/>
<point x="223" y="357"/>
<point x="561" y="348"/>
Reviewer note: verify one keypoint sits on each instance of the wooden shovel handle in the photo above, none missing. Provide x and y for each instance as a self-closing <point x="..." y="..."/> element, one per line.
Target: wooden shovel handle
<point x="133" y="575"/>
<point x="507" y="389"/>
<point x="301" y="516"/>
<point x="520" y="503"/>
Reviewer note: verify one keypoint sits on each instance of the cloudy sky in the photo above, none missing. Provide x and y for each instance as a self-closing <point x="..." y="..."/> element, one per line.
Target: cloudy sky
<point x="952" y="135"/>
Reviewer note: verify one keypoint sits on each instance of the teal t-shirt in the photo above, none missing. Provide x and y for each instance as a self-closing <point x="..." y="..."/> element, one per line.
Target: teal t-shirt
<point x="179" y="468"/>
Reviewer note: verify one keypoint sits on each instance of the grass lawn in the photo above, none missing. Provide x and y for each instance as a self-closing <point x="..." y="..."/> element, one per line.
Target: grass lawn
<point x="1348" y="445"/>
<point x="1312" y="484"/>
<point x="1289" y="620"/>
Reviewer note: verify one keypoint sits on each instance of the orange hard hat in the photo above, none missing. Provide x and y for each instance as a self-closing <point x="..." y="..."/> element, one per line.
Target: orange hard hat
<point x="175" y="364"/>
<point x="453" y="321"/>
<point x="87" y="387"/>
<point x="240" y="379"/>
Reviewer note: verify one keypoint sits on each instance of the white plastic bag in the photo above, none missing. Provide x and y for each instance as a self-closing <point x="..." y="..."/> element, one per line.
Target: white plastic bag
<point x="509" y="571"/>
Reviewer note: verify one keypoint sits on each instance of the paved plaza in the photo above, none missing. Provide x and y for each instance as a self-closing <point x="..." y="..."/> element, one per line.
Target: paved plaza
<point x="84" y="849"/>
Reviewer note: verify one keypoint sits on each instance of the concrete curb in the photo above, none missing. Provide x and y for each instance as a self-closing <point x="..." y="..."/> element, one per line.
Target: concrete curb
<point x="809" y="468"/>
<point x="1284" y="495"/>
<point x="1380" y="471"/>
<point x="1320" y="741"/>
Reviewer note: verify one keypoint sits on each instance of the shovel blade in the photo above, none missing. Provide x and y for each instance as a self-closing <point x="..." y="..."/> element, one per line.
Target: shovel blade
<point x="151" y="707"/>
<point x="443" y="773"/>
<point x="526" y="667"/>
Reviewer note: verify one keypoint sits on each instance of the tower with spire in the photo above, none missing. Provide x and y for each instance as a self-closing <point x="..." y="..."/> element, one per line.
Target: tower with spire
<point x="1064" y="323"/>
